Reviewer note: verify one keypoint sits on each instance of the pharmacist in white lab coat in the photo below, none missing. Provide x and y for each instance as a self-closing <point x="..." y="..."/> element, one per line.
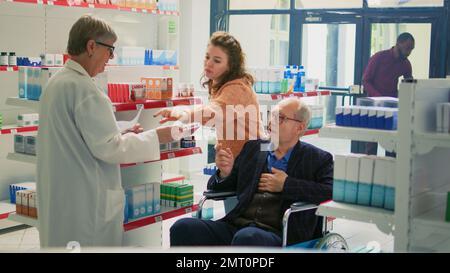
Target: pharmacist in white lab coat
<point x="80" y="147"/>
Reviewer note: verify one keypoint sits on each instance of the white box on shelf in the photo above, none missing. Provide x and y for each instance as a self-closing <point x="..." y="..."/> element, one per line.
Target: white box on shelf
<point x="340" y="166"/>
<point x="379" y="182"/>
<point x="389" y="197"/>
<point x="440" y="117"/>
<point x="446" y="119"/>
<point x="351" y="179"/>
<point x="156" y="197"/>
<point x="365" y="180"/>
<point x="149" y="198"/>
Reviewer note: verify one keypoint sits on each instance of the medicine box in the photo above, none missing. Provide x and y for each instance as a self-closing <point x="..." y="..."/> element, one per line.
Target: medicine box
<point x="340" y="166"/>
<point x="365" y="180"/>
<point x="30" y="145"/>
<point x="19" y="144"/>
<point x="347" y="116"/>
<point x="24" y="120"/>
<point x="339" y="116"/>
<point x="355" y="117"/>
<point x="156" y="198"/>
<point x="352" y="177"/>
<point x="149" y="199"/>
<point x="364" y="117"/>
<point x="389" y="196"/>
<point x="379" y="182"/>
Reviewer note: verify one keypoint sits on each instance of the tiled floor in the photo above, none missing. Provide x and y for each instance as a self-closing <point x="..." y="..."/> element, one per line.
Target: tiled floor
<point x="357" y="235"/>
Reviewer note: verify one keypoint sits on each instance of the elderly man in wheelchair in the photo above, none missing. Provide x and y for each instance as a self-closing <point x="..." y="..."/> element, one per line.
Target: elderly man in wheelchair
<point x="271" y="180"/>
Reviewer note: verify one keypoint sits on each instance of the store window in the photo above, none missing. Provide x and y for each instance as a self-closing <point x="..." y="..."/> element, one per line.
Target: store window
<point x="259" y="4"/>
<point x="328" y="4"/>
<point x="328" y="53"/>
<point x="404" y="3"/>
<point x="271" y="46"/>
<point x="384" y="36"/>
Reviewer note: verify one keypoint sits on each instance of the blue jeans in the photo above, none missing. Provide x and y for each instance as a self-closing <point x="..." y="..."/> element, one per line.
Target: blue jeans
<point x="197" y="232"/>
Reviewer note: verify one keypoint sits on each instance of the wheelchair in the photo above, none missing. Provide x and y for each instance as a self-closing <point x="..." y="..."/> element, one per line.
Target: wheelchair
<point x="330" y="242"/>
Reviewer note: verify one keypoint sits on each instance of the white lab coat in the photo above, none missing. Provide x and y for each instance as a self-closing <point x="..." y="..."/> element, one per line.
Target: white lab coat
<point x="79" y="148"/>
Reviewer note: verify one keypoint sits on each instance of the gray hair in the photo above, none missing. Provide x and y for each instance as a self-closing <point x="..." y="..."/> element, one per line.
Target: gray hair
<point x="88" y="28"/>
<point x="303" y="112"/>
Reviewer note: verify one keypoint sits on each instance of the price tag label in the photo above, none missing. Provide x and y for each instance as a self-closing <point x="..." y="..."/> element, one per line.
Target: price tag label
<point x="13" y="131"/>
<point x="50" y="3"/>
<point x="144" y="11"/>
<point x="154" y="12"/>
<point x="139" y="106"/>
<point x="114" y="108"/>
<point x="169" y="103"/>
<point x="188" y="210"/>
<point x="91" y="6"/>
<point x="134" y="10"/>
<point x="171" y="155"/>
<point x="191" y="101"/>
<point x="40" y="2"/>
<point x="158" y="218"/>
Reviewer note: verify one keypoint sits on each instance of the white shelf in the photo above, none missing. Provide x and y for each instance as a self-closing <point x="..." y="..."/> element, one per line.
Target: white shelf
<point x="6" y="208"/>
<point x="14" y="101"/>
<point x="386" y="138"/>
<point x="23" y="219"/>
<point x="428" y="141"/>
<point x="25" y="158"/>
<point x="384" y="219"/>
<point x="434" y="219"/>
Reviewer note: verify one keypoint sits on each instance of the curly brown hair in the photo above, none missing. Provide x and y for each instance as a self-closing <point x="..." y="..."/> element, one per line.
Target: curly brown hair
<point x="236" y="61"/>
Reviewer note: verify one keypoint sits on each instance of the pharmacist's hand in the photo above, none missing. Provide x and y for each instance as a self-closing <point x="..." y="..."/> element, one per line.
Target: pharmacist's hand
<point x="272" y="182"/>
<point x="224" y="160"/>
<point x="168" y="115"/>
<point x="137" y="129"/>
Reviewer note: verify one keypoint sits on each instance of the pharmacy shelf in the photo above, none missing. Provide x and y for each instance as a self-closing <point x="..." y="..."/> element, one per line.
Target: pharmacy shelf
<point x="23" y="219"/>
<point x="14" y="129"/>
<point x="14" y="101"/>
<point x="425" y="142"/>
<point x="384" y="219"/>
<point x="24" y="158"/>
<point x="6" y="208"/>
<point x="312" y="132"/>
<point x="388" y="139"/>
<point x="434" y="220"/>
<point x="276" y="97"/>
<point x="8" y="68"/>
<point x="63" y="3"/>
<point x="154" y="104"/>
<point x="163" y="67"/>
<point x="169" y="155"/>
<point x="166" y="213"/>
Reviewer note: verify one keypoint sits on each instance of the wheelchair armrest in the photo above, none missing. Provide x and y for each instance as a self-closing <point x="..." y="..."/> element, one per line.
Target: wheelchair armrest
<point x="213" y="195"/>
<point x="302" y="206"/>
<point x="217" y="195"/>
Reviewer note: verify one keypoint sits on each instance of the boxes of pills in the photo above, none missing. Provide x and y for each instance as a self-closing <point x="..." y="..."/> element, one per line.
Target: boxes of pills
<point x="30" y="145"/>
<point x="351" y="179"/>
<point x="340" y="166"/>
<point x="19" y="144"/>
<point x="24" y="120"/>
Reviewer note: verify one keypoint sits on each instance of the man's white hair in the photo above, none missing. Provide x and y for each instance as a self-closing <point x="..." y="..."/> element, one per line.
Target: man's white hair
<point x="303" y="112"/>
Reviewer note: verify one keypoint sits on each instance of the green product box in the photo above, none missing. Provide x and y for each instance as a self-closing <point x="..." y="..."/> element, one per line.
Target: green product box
<point x="447" y="215"/>
<point x="163" y="189"/>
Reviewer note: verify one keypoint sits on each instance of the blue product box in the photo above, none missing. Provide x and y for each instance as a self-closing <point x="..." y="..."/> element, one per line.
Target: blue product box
<point x="372" y="118"/>
<point x="351" y="192"/>
<point x="355" y="119"/>
<point x="347" y="119"/>
<point x="125" y="214"/>
<point x="364" y="194"/>
<point x="391" y="117"/>
<point x="364" y="117"/>
<point x="338" y="190"/>
<point x="389" y="198"/>
<point x="380" y="119"/>
<point x="378" y="193"/>
<point x="339" y="116"/>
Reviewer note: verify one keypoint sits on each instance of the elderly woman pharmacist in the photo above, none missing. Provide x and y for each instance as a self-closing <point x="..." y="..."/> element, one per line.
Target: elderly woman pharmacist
<point x="80" y="147"/>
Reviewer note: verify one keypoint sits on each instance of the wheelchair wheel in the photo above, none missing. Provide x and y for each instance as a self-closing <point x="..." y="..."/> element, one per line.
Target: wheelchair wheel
<point x="332" y="242"/>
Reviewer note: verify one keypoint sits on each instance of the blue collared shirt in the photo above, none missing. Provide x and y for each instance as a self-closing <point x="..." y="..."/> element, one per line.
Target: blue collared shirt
<point x="280" y="164"/>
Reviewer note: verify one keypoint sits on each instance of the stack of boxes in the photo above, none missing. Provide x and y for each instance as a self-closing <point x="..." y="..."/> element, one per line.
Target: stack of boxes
<point x="124" y="92"/>
<point x="382" y="118"/>
<point x="188" y="142"/>
<point x="177" y="195"/>
<point x="158" y="88"/>
<point x="142" y="200"/>
<point x="24" y="120"/>
<point x="32" y="81"/>
<point x="174" y="145"/>
<point x="210" y="169"/>
<point x="13" y="188"/>
<point x="25" y="144"/>
<point x="142" y="56"/>
<point x="26" y="203"/>
<point x="316" y="121"/>
<point x="364" y="180"/>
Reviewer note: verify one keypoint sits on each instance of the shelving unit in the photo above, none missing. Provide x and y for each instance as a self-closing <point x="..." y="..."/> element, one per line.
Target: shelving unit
<point x="63" y="3"/>
<point x="423" y="176"/>
<point x="384" y="219"/>
<point x="388" y="139"/>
